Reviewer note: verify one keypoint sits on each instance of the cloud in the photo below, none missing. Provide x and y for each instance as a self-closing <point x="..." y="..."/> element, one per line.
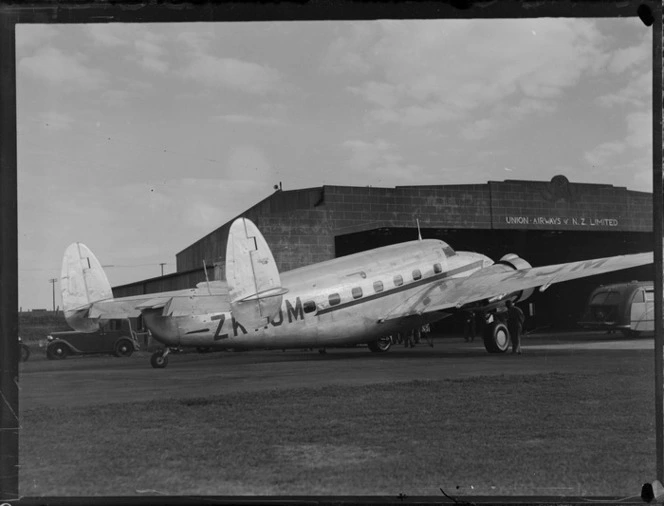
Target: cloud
<point x="198" y="41"/>
<point x="637" y="92"/>
<point x="374" y="162"/>
<point x="384" y="95"/>
<point x="633" y="153"/>
<point x="55" y="120"/>
<point x="606" y="151"/>
<point x="245" y="119"/>
<point x="343" y="55"/>
<point x="437" y="72"/>
<point x="33" y="35"/>
<point x="504" y="116"/>
<point x="233" y="74"/>
<point x="145" y="46"/>
<point x="149" y="52"/>
<point x="58" y="68"/>
<point x="639" y="126"/>
<point x="110" y="34"/>
<point x="626" y="58"/>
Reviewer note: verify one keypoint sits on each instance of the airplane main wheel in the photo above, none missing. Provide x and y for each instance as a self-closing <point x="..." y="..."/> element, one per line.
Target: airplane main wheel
<point x="383" y="344"/>
<point x="496" y="338"/>
<point x="158" y="360"/>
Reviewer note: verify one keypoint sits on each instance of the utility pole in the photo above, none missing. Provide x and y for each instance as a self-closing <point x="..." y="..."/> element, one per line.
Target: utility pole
<point x="52" y="281"/>
<point x="162" y="268"/>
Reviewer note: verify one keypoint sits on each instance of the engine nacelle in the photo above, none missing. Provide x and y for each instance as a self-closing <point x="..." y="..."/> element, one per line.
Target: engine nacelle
<point x="518" y="264"/>
<point x="508" y="263"/>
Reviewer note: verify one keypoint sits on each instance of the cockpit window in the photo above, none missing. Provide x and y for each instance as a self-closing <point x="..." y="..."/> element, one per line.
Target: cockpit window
<point x="449" y="252"/>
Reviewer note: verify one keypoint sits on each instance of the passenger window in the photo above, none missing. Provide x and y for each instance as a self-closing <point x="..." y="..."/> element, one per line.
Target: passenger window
<point x="638" y="297"/>
<point x="378" y="286"/>
<point x="334" y="299"/>
<point x="437" y="268"/>
<point x="398" y="280"/>
<point x="357" y="292"/>
<point x="416" y="274"/>
<point x="309" y="306"/>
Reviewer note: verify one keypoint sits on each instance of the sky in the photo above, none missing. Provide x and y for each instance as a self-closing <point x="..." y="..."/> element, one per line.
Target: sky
<point x="139" y="139"/>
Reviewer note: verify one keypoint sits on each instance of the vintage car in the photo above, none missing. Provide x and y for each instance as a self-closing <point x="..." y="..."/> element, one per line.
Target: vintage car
<point x="627" y="307"/>
<point x="116" y="337"/>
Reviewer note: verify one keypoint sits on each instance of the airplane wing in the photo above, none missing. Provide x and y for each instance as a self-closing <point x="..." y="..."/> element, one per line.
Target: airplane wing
<point x="456" y="292"/>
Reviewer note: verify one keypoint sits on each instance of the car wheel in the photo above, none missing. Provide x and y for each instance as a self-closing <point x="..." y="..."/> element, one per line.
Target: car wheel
<point x="123" y="348"/>
<point x="496" y="338"/>
<point x="381" y="345"/>
<point x="57" y="351"/>
<point x="25" y="353"/>
<point x="158" y="361"/>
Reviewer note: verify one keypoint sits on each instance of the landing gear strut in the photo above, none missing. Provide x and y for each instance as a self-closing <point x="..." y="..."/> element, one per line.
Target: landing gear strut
<point x="159" y="359"/>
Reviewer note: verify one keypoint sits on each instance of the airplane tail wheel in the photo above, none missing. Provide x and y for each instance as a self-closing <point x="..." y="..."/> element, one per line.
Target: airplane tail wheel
<point x="158" y="360"/>
<point x="383" y="344"/>
<point x="496" y="338"/>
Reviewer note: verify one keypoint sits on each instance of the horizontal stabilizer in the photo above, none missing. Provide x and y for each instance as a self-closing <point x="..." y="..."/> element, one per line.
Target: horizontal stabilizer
<point x="156" y="303"/>
<point x="254" y="285"/>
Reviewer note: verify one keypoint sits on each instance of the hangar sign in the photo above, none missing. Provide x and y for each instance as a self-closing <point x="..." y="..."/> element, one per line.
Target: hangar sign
<point x="580" y="222"/>
<point x="561" y="205"/>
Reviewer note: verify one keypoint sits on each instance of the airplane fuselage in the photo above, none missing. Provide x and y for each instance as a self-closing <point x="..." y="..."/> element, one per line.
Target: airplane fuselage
<point x="336" y="302"/>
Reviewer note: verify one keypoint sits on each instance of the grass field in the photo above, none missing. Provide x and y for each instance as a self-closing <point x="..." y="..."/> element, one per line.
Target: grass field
<point x="555" y="434"/>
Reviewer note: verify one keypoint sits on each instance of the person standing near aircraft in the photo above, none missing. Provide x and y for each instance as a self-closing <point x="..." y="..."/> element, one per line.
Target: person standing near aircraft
<point x="470" y="328"/>
<point x="515" y="319"/>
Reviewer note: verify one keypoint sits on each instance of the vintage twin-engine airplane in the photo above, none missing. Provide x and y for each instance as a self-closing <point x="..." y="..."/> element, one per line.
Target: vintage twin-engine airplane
<point x="359" y="298"/>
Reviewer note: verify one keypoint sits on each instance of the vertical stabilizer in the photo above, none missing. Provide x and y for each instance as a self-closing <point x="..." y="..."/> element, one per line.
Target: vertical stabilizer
<point x="253" y="280"/>
<point x="82" y="282"/>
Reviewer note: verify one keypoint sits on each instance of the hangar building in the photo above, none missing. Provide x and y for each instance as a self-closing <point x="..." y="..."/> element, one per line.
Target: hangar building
<point x="544" y="222"/>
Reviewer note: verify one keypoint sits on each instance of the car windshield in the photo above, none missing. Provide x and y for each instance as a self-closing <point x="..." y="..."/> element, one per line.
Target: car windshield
<point x="606" y="298"/>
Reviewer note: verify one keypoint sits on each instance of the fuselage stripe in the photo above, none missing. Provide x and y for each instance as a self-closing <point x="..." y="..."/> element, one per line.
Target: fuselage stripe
<point x="401" y="288"/>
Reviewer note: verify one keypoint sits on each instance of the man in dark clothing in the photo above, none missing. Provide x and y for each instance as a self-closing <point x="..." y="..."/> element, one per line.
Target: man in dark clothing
<point x="515" y="319"/>
<point x="470" y="328"/>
